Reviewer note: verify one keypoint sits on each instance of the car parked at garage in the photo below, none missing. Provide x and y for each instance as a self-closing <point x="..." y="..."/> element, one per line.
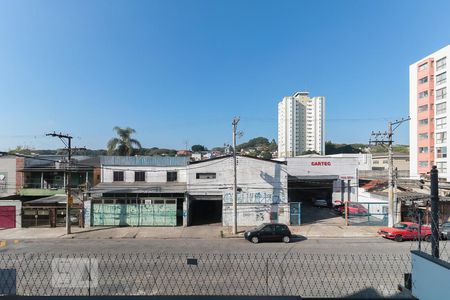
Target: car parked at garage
<point x="353" y="209"/>
<point x="320" y="203"/>
<point x="269" y="232"/>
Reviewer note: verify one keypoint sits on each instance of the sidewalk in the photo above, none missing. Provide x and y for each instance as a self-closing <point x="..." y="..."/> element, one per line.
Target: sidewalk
<point x="193" y="232"/>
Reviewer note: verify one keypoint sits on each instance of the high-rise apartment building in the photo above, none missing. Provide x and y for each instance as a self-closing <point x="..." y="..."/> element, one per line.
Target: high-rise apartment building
<point x="301" y="125"/>
<point x="429" y="114"/>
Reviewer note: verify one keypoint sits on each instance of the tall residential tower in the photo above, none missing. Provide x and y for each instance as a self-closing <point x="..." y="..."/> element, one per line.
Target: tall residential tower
<point x="301" y="125"/>
<point x="429" y="114"/>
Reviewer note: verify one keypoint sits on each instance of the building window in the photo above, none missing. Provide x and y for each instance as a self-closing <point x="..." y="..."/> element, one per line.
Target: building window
<point x="172" y="176"/>
<point x="441" y="64"/>
<point x="441" y="78"/>
<point x="441" y="108"/>
<point x="441" y="137"/>
<point x="423" y="164"/>
<point x="139" y="176"/>
<point x="442" y="166"/>
<point x="423" y="149"/>
<point x="441" y="93"/>
<point x="423" y="67"/>
<point x="118" y="176"/>
<point x="441" y="122"/>
<point x="441" y="152"/>
<point x="423" y="108"/>
<point x="423" y="94"/>
<point x="423" y="80"/>
<point x="423" y="122"/>
<point x="205" y="175"/>
<point x="423" y="136"/>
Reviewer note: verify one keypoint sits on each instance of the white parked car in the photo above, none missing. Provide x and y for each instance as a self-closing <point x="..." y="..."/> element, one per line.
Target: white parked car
<point x="320" y="203"/>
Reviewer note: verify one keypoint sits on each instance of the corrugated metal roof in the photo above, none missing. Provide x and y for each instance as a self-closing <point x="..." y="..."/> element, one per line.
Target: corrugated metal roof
<point x="141" y="188"/>
<point x="155" y="161"/>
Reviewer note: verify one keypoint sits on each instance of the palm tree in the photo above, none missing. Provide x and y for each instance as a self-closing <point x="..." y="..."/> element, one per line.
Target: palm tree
<point x="124" y="144"/>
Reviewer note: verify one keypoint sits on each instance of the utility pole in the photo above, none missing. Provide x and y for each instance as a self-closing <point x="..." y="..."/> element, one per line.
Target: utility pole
<point x="434" y="195"/>
<point x="234" y="123"/>
<point x="385" y="138"/>
<point x="68" y="144"/>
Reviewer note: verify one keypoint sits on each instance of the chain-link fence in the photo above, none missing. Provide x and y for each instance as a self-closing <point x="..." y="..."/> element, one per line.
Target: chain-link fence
<point x="307" y="275"/>
<point x="422" y="234"/>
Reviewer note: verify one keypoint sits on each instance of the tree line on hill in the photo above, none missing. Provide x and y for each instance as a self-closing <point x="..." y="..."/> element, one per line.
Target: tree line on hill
<point x="123" y="144"/>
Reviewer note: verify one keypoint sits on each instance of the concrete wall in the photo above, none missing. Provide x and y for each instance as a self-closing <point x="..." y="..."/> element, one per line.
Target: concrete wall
<point x="253" y="176"/>
<point x="340" y="168"/>
<point x="256" y="214"/>
<point x="364" y="159"/>
<point x="430" y="277"/>
<point x="7" y="176"/>
<point x="263" y="188"/>
<point x="152" y="174"/>
<point x="18" y="205"/>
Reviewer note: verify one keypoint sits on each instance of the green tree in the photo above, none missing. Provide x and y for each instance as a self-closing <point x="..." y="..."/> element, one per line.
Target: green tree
<point x="309" y="152"/>
<point x="21" y="150"/>
<point x="198" y="148"/>
<point x="123" y="145"/>
<point x="266" y="155"/>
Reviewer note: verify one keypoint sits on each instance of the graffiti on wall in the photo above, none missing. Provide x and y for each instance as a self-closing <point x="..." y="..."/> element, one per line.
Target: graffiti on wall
<point x="255" y="198"/>
<point x="3" y="181"/>
<point x="87" y="213"/>
<point x="251" y="215"/>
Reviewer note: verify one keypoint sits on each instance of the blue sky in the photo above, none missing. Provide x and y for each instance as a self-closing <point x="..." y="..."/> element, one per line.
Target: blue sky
<point x="180" y="70"/>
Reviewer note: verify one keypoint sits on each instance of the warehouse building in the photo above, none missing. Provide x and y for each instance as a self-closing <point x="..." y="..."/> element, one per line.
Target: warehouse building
<point x="261" y="198"/>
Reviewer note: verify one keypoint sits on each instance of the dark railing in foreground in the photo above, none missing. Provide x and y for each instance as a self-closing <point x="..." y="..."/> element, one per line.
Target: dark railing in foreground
<point x="297" y="274"/>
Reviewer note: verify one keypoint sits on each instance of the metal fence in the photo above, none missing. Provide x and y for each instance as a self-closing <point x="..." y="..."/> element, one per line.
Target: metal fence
<point x="307" y="275"/>
<point x="422" y="215"/>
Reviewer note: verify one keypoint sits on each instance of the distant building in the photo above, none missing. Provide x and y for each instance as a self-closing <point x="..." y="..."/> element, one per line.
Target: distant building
<point x="301" y="125"/>
<point x="429" y="128"/>
<point x="400" y="161"/>
<point x="8" y="185"/>
<point x="184" y="153"/>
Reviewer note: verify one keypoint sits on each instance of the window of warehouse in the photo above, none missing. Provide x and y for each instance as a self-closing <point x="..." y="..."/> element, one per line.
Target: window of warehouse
<point x="139" y="176"/>
<point x="118" y="176"/>
<point x="171" y="176"/>
<point x="205" y="175"/>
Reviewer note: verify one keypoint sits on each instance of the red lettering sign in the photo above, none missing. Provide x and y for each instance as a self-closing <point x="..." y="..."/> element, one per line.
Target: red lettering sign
<point x="321" y="163"/>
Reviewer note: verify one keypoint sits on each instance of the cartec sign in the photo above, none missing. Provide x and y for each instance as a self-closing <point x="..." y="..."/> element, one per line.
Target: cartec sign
<point x="321" y="163"/>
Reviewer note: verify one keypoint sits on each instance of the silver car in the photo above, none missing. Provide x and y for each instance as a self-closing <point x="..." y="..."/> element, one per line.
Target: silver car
<point x="320" y="203"/>
<point x="445" y="231"/>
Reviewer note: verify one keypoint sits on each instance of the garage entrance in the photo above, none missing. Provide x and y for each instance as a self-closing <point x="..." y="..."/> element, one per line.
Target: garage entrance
<point x="308" y="189"/>
<point x="7" y="216"/>
<point x="205" y="210"/>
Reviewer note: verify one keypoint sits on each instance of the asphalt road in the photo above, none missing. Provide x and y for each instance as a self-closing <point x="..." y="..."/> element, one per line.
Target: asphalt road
<point x="308" y="267"/>
<point x="232" y="245"/>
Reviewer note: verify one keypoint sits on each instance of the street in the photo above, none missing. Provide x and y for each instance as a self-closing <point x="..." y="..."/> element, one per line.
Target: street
<point x="307" y="267"/>
<point x="374" y="245"/>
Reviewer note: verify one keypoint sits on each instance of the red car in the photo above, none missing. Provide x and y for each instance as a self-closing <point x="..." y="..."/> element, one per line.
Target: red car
<point x="353" y="209"/>
<point x="405" y="231"/>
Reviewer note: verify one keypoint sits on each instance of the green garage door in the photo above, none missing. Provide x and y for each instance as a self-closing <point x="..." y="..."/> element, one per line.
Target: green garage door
<point x="134" y="214"/>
